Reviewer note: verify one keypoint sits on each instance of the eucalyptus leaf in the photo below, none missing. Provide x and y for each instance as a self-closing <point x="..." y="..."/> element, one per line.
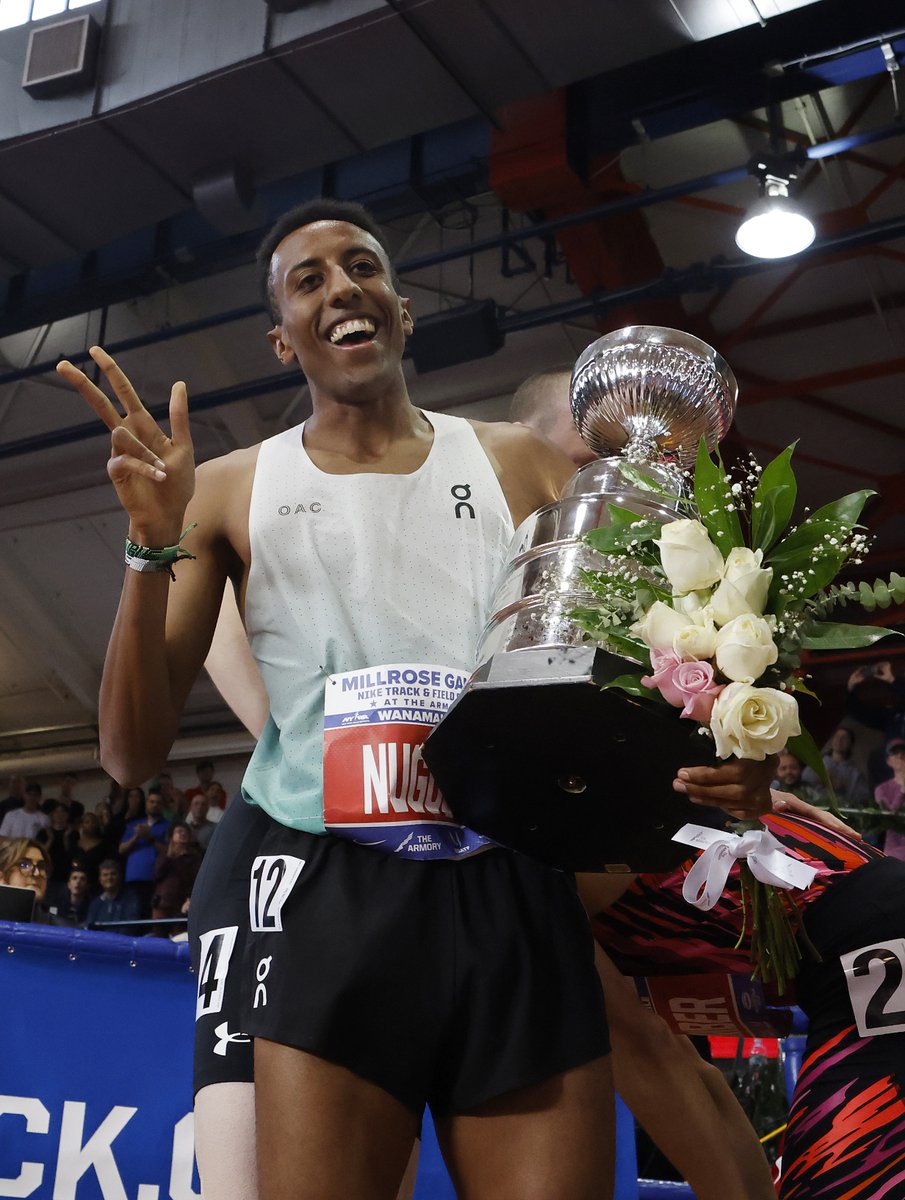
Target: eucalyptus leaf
<point x="834" y="635"/>
<point x="713" y="496"/>
<point x="777" y="490"/>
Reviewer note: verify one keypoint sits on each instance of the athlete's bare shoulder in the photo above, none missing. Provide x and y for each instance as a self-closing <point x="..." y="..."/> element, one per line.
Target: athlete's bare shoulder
<point x="222" y="496"/>
<point x="530" y="469"/>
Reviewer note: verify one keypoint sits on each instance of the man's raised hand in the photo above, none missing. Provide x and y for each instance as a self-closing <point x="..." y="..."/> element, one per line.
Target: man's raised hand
<point x="154" y="475"/>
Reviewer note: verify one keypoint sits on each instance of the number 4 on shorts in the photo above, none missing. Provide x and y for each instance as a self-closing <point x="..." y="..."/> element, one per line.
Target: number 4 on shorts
<point x="874" y="975"/>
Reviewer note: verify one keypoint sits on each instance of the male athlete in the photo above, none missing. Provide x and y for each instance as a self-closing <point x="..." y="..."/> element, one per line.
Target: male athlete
<point x="367" y="542"/>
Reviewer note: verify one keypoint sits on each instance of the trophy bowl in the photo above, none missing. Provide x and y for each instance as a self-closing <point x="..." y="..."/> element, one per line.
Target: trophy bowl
<point x="536" y="753"/>
<point x="652" y="393"/>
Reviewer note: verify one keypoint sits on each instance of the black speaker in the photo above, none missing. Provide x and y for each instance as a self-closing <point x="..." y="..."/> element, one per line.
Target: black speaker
<point x="61" y="57"/>
<point x="445" y="339"/>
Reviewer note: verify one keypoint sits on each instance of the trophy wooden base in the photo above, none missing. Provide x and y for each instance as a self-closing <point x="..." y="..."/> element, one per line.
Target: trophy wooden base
<point x="537" y="757"/>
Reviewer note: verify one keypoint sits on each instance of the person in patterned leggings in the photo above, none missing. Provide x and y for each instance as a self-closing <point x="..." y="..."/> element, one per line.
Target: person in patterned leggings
<point x="846" y="1131"/>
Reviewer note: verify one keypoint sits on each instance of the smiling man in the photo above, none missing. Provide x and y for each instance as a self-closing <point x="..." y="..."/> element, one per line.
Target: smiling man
<point x="363" y="548"/>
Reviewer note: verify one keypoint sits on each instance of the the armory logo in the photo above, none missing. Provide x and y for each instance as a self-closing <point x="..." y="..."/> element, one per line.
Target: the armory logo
<point x="314" y="507"/>
<point x="462" y="493"/>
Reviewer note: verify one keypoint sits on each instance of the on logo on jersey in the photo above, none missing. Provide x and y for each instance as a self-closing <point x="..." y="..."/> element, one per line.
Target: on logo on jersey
<point x="273" y="877"/>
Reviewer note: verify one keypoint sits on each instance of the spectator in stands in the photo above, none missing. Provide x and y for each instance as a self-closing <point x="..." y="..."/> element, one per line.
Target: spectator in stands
<point x="789" y="772"/>
<point x="197" y="821"/>
<point x="217" y="800"/>
<point x="205" y="772"/>
<point x="876" y="701"/>
<point x="67" y="799"/>
<point x="91" y="848"/>
<point x="116" y="902"/>
<point x="58" y="839"/>
<point x="72" y="908"/>
<point x="175" y="805"/>
<point x="24" y="864"/>
<point x="849" y="782"/>
<point x="16" y="797"/>
<point x="174" y="875"/>
<point x="25" y="822"/>
<point x="891" y="795"/>
<point x="104" y="816"/>
<point x="128" y="807"/>
<point x="144" y="838"/>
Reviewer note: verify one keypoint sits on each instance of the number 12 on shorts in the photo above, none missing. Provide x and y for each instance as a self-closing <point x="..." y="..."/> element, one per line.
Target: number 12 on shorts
<point x="273" y="877"/>
<point x="875" y="975"/>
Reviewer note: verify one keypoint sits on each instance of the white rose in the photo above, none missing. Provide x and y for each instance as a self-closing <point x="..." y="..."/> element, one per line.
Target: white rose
<point x="659" y="626"/>
<point x="695" y="641"/>
<point x="745" y="648"/>
<point x="752" y="722"/>
<point x="689" y="557"/>
<point x="744" y="586"/>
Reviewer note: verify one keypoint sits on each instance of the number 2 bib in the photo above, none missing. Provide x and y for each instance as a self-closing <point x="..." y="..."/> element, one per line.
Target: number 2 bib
<point x="377" y="788"/>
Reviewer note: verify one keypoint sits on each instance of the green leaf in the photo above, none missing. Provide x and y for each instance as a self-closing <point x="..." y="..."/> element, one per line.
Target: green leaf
<point x="626" y="527"/>
<point x="804" y="747"/>
<point x="644" y="482"/>
<point x="712" y="495"/>
<point x="797" y="684"/>
<point x="625" y="644"/>
<point x="834" y="635"/>
<point x="776" y="493"/>
<point x="633" y="685"/>
<point x="806" y="548"/>
<point x="844" y="511"/>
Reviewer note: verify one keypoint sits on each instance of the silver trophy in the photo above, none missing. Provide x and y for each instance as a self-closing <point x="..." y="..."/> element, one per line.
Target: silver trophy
<point x="533" y="753"/>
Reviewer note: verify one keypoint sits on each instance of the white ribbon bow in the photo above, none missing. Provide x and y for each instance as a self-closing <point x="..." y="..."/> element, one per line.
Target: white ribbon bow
<point x="768" y="861"/>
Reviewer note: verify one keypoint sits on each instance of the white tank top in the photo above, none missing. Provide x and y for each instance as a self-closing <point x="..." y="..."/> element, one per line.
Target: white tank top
<point x="352" y="571"/>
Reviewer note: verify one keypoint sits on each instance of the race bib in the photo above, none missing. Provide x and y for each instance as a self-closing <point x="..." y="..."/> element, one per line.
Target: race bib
<point x="377" y="788"/>
<point x="874" y="975"/>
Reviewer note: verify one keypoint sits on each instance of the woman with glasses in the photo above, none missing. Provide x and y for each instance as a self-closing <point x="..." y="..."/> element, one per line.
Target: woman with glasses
<point x="24" y="864"/>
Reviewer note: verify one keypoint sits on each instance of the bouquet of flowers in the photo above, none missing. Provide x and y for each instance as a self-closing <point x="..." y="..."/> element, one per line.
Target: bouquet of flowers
<point x="717" y="608"/>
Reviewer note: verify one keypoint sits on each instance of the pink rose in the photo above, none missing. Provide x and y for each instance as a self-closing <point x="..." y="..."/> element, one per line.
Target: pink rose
<point x="664" y="664"/>
<point x="685" y="685"/>
<point x="694" y="681"/>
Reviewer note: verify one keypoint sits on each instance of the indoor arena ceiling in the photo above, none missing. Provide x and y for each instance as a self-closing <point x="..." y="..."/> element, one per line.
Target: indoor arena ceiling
<point x="481" y="131"/>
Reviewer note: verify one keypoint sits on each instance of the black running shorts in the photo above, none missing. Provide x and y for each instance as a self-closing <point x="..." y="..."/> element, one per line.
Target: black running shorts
<point x="446" y="983"/>
<point x="218" y="921"/>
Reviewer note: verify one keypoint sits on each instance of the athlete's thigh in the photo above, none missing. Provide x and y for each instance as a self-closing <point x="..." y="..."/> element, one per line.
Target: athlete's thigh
<point x="325" y="1133"/>
<point x="551" y="1141"/>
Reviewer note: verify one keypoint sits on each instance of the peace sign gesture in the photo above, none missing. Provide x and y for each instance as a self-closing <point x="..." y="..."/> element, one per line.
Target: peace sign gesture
<point x="154" y="475"/>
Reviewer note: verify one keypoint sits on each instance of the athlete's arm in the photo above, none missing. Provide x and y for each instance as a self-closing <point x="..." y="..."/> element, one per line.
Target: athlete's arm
<point x="162" y="629"/>
<point x="532" y="472"/>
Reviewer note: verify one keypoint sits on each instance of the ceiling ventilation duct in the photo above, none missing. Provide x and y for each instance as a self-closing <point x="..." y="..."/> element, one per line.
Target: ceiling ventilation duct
<point x="61" y="57"/>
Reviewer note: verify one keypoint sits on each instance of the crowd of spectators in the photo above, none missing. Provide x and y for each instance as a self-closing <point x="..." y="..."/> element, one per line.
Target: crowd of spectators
<point x="864" y="759"/>
<point x="131" y="857"/>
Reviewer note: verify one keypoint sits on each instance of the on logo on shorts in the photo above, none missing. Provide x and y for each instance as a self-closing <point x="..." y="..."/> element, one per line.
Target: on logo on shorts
<point x="273" y="877"/>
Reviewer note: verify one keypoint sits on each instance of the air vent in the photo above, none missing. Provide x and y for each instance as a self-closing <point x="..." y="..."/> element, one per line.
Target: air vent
<point x="61" y="57"/>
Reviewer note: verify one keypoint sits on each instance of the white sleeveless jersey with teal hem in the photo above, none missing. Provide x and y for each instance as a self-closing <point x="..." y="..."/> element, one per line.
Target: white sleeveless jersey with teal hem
<point x="353" y="571"/>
